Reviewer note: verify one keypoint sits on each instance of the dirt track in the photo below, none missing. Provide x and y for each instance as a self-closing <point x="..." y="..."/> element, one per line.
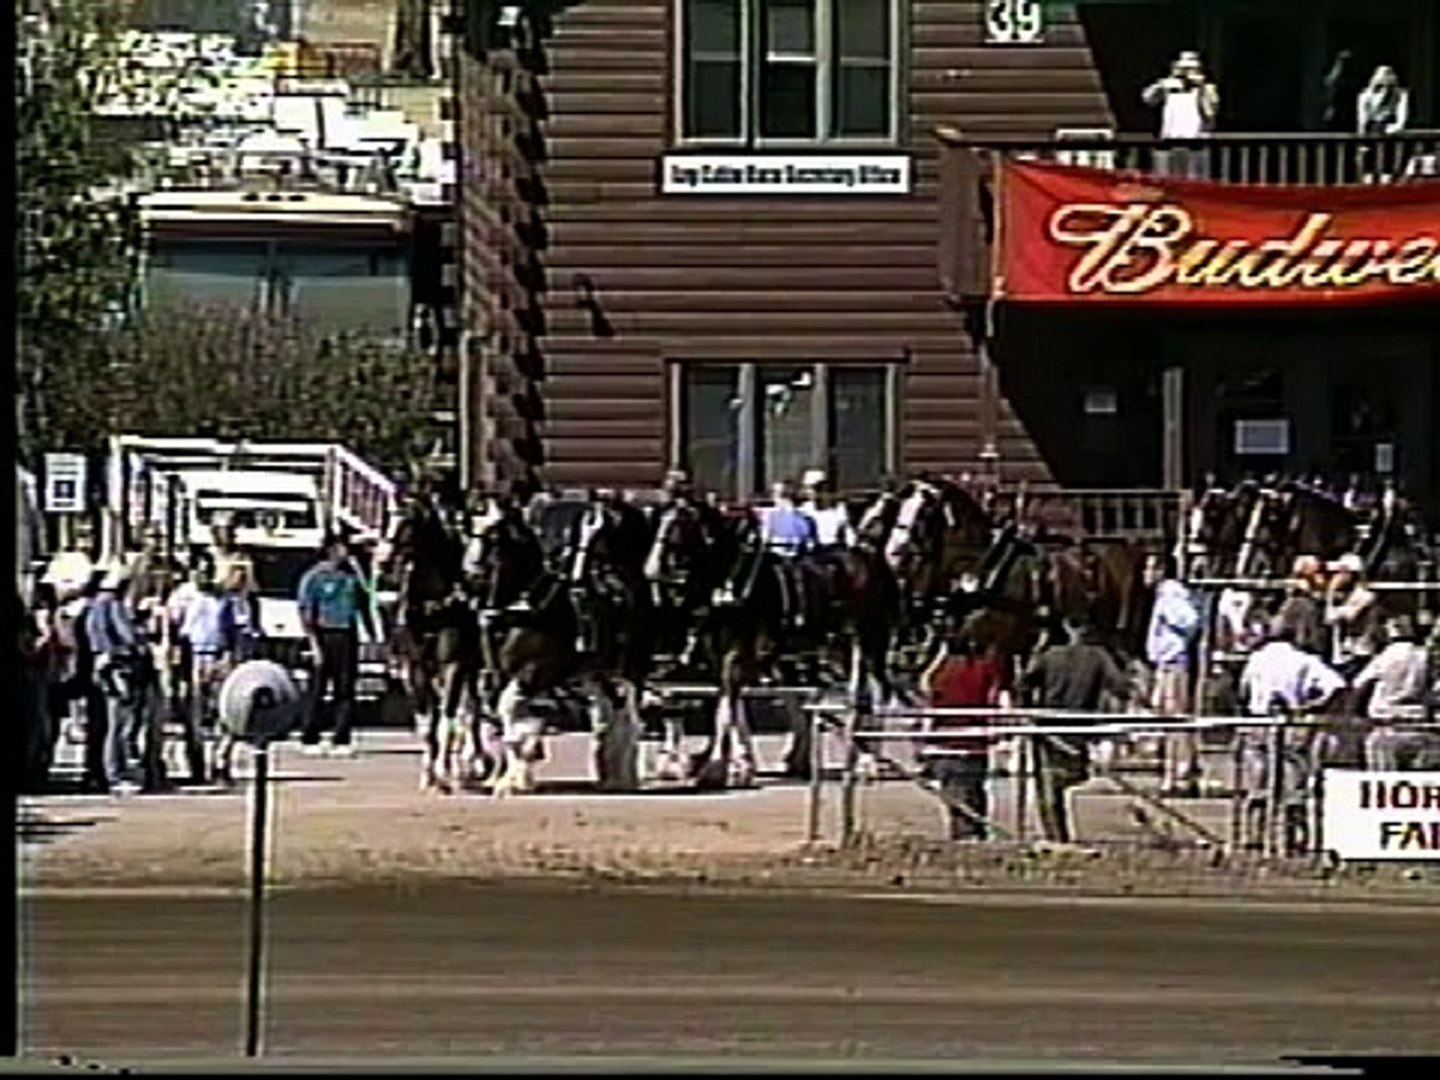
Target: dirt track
<point x="689" y="925"/>
<point x="502" y="970"/>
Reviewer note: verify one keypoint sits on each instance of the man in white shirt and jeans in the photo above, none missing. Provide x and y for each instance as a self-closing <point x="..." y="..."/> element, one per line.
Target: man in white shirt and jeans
<point x="1189" y="104"/>
<point x="1282" y="679"/>
<point x="1399" y="684"/>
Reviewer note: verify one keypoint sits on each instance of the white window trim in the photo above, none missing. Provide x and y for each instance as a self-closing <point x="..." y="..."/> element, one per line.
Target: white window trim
<point x="747" y="465"/>
<point x="824" y="86"/>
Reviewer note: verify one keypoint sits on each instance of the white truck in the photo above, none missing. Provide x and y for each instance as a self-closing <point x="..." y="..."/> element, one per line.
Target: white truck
<point x="281" y="500"/>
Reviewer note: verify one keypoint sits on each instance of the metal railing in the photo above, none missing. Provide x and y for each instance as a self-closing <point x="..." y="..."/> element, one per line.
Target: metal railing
<point x="1262" y="158"/>
<point x="1135" y="514"/>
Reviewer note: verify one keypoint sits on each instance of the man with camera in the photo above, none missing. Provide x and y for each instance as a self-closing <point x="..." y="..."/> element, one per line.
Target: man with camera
<point x="1189" y="104"/>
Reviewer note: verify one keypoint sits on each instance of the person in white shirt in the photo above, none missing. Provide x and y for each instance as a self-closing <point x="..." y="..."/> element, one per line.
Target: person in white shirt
<point x="1399" y="684"/>
<point x="178" y="661"/>
<point x="1189" y="104"/>
<point x="831" y="519"/>
<point x="1281" y="678"/>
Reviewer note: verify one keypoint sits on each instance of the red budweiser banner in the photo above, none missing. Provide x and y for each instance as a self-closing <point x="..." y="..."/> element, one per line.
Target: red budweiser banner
<point x="1087" y="235"/>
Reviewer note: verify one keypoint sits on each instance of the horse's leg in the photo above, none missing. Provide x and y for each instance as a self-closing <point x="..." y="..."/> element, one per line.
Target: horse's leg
<point x="865" y="762"/>
<point x="716" y="767"/>
<point x="747" y="765"/>
<point x="422" y="694"/>
<point x="451" y="691"/>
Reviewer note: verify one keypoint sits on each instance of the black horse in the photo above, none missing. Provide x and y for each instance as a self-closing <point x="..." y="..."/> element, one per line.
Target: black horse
<point x="752" y="613"/>
<point x="436" y="639"/>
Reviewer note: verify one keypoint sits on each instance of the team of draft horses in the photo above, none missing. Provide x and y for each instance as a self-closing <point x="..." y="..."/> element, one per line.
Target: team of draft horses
<point x="511" y="602"/>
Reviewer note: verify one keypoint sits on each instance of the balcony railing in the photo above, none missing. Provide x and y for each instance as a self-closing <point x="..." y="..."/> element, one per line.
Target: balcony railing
<point x="1299" y="158"/>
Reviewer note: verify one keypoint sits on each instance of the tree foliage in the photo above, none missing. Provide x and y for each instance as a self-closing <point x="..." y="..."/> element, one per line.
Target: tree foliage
<point x="233" y="373"/>
<point x="76" y="247"/>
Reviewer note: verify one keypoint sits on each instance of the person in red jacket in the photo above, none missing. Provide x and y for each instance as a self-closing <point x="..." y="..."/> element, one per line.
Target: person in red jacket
<point x="962" y="676"/>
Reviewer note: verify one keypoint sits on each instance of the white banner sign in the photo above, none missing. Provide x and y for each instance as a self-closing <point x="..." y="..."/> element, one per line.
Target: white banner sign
<point x="773" y="174"/>
<point x="64" y="483"/>
<point x="1382" y="815"/>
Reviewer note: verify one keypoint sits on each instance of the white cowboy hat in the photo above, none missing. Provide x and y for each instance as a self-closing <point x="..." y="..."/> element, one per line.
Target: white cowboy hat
<point x="1188" y="58"/>
<point x="813" y="478"/>
<point x="1349" y="563"/>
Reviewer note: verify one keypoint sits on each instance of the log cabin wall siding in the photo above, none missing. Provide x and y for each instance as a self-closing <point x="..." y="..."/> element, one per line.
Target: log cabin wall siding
<point x="566" y="163"/>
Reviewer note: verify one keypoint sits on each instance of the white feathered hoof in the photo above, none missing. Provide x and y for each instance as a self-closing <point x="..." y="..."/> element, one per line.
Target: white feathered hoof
<point x="741" y="774"/>
<point x="672" y="768"/>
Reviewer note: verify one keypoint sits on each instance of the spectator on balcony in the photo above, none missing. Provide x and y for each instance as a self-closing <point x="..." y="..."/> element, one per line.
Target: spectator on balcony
<point x="1189" y="104"/>
<point x="1384" y="105"/>
<point x="1342" y="91"/>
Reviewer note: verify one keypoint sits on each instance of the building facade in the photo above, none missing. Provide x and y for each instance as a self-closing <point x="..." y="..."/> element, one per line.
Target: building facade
<point x="707" y="232"/>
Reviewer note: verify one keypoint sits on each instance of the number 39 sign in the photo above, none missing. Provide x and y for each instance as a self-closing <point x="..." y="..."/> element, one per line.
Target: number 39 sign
<point x="1014" y="22"/>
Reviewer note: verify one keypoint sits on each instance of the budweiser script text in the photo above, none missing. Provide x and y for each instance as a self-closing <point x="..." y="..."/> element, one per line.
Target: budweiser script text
<point x="1144" y="246"/>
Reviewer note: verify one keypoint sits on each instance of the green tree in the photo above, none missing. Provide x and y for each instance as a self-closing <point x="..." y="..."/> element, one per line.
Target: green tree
<point x="233" y="373"/>
<point x="75" y="244"/>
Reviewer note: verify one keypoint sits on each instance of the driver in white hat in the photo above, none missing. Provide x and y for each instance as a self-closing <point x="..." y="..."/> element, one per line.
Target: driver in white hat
<point x="832" y="521"/>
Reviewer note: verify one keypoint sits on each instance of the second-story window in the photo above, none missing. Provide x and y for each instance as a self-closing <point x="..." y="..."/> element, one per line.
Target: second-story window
<point x="789" y="71"/>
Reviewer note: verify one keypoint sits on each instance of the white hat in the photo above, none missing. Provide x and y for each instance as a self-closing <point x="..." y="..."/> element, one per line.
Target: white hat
<point x="116" y="575"/>
<point x="813" y="478"/>
<point x="1188" y="58"/>
<point x="1350" y="563"/>
<point x="69" y="570"/>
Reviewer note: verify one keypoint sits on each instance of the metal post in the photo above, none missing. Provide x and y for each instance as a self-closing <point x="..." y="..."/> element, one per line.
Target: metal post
<point x="847" y="784"/>
<point x="1275" y="796"/>
<point x="1239" y="796"/>
<point x="817" y="764"/>
<point x="1022" y="786"/>
<point x="259" y="811"/>
<point x="1173" y="413"/>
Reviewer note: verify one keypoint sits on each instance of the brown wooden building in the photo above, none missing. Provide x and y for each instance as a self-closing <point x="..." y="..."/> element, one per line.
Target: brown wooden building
<point x="628" y="308"/>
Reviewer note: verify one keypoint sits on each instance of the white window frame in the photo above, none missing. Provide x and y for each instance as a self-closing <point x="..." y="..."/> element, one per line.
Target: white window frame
<point x="826" y="63"/>
<point x="747" y="467"/>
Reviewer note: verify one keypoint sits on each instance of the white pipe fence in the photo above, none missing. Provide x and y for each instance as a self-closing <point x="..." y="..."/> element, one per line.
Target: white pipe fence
<point x="1020" y="723"/>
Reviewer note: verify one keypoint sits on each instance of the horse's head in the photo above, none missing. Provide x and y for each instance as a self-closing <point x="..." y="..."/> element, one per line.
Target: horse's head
<point x="876" y="520"/>
<point x="504" y="557"/>
<point x="594" y="543"/>
<point x="677" y="544"/>
<point x="938" y="527"/>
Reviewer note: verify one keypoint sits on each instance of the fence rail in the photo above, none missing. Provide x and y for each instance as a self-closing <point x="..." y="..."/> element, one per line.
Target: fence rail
<point x="1137" y="514"/>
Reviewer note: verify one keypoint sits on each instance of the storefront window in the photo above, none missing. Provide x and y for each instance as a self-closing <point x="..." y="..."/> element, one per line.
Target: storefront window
<point x="742" y="427"/>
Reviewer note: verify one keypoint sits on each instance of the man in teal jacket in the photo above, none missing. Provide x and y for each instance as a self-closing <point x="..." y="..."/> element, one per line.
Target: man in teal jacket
<point x="333" y="599"/>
